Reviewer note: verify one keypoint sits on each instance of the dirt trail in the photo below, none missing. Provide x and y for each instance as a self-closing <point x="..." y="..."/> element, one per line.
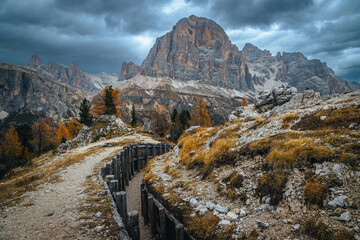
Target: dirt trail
<point x="133" y="195"/>
<point x="54" y="211"/>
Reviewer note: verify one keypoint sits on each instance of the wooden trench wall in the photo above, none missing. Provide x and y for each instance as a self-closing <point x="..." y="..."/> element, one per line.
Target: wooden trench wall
<point x="117" y="173"/>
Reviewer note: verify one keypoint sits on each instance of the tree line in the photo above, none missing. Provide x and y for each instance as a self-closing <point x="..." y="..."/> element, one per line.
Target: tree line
<point x="23" y="142"/>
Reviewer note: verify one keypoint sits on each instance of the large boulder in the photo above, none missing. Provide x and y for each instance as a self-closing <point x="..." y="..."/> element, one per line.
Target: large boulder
<point x="274" y="97"/>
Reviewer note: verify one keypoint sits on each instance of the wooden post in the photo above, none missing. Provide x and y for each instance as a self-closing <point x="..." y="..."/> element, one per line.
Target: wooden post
<point x="144" y="205"/>
<point x="113" y="166"/>
<point x="162" y="223"/>
<point x="120" y="200"/>
<point x="154" y="151"/>
<point x="138" y="164"/>
<point x="146" y="154"/>
<point x="151" y="214"/>
<point x="133" y="225"/>
<point x="124" y="169"/>
<point x="131" y="161"/>
<point x="108" y="168"/>
<point x="179" y="231"/>
<point x="108" y="178"/>
<point x="103" y="171"/>
<point x="114" y="186"/>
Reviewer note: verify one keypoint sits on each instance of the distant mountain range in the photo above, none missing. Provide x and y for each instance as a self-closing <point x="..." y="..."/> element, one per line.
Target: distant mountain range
<point x="196" y="58"/>
<point x="72" y="75"/>
<point x="199" y="49"/>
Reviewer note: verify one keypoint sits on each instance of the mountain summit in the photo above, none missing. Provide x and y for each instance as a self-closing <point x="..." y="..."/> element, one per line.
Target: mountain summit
<point x="199" y="49"/>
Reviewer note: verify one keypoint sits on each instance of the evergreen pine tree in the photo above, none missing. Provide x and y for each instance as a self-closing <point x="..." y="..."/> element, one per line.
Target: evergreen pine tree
<point x="84" y="115"/>
<point x="133" y="116"/>
<point x="173" y="115"/>
<point x="110" y="107"/>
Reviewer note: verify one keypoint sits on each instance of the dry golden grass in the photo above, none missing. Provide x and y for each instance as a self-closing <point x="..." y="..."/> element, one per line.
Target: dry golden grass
<point x="150" y="177"/>
<point x="287" y="119"/>
<point x="335" y="119"/>
<point x="15" y="185"/>
<point x="272" y="185"/>
<point x="315" y="193"/>
<point x="203" y="227"/>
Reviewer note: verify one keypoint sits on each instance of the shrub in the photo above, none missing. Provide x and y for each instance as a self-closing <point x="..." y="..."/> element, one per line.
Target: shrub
<point x="280" y="159"/>
<point x="203" y="227"/>
<point x="336" y="119"/>
<point x="350" y="159"/>
<point x="272" y="184"/>
<point x="311" y="153"/>
<point x="287" y="119"/>
<point x="231" y="195"/>
<point x="234" y="180"/>
<point x="315" y="193"/>
<point x="319" y="230"/>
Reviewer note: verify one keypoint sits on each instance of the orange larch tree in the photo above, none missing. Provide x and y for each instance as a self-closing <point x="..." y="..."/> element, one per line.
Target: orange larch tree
<point x="244" y="102"/>
<point x="11" y="144"/>
<point x="200" y="115"/>
<point x="62" y="134"/>
<point x="107" y="102"/>
<point x="74" y="127"/>
<point x="43" y="135"/>
<point x="159" y="119"/>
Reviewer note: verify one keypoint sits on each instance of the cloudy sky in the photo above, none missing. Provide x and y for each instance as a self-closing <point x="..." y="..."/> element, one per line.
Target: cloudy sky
<point x="100" y="35"/>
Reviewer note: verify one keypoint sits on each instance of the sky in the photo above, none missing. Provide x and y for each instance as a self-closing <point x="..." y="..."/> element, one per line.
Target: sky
<point x="100" y="35"/>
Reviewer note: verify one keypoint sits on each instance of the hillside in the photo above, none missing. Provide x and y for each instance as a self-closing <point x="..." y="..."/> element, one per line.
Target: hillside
<point x="289" y="172"/>
<point x="72" y="75"/>
<point x="24" y="90"/>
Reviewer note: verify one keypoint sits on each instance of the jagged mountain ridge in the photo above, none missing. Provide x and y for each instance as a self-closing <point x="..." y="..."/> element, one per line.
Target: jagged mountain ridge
<point x="199" y="49"/>
<point x="72" y="75"/>
<point x="22" y="88"/>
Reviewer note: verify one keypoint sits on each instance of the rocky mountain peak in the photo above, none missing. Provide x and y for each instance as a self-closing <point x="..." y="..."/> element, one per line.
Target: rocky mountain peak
<point x="129" y="70"/>
<point x="198" y="49"/>
<point x="34" y="62"/>
<point x="253" y="52"/>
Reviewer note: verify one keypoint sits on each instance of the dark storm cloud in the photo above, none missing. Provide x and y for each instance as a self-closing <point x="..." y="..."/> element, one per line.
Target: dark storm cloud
<point x="99" y="35"/>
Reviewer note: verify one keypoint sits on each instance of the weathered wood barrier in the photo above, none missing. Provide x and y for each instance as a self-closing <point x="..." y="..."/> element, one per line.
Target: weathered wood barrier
<point x="117" y="174"/>
<point x="163" y="223"/>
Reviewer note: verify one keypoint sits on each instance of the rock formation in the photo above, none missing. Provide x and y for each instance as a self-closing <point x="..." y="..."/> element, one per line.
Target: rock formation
<point x="21" y="88"/>
<point x="129" y="70"/>
<point x="294" y="69"/>
<point x="72" y="75"/>
<point x="198" y="49"/>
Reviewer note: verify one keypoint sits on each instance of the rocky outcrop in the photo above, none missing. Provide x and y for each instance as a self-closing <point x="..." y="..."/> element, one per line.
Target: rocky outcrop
<point x="21" y="88"/>
<point x="129" y="70"/>
<point x="275" y="97"/>
<point x="72" y="75"/>
<point x="198" y="49"/>
<point x="294" y="69"/>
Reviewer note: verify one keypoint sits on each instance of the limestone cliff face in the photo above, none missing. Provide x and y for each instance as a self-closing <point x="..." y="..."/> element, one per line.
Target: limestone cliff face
<point x="72" y="75"/>
<point x="198" y="49"/>
<point x="129" y="70"/>
<point x="294" y="69"/>
<point x="21" y="88"/>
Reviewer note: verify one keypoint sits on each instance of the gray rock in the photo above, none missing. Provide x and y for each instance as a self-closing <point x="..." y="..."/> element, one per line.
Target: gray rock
<point x="275" y="97"/>
<point x="266" y="207"/>
<point x="262" y="224"/>
<point x="337" y="169"/>
<point x="242" y="213"/>
<point x="221" y="209"/>
<point x="231" y="216"/>
<point x="296" y="226"/>
<point x="345" y="216"/>
<point x="193" y="202"/>
<point x="202" y="211"/>
<point x="224" y="223"/>
<point x="339" y="201"/>
<point x="210" y="205"/>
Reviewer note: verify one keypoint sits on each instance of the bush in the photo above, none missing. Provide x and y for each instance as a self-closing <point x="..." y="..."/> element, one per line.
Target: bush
<point x="319" y="230"/>
<point x="350" y="159"/>
<point x="315" y="193"/>
<point x="272" y="184"/>
<point x="203" y="227"/>
<point x="234" y="180"/>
